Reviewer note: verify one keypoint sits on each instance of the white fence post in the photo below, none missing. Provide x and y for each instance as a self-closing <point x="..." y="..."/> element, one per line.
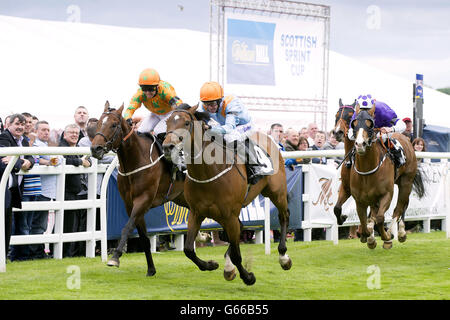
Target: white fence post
<point x="3" y="186"/>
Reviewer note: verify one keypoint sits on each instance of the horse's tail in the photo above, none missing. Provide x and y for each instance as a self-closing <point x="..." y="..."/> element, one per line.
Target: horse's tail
<point x="418" y="185"/>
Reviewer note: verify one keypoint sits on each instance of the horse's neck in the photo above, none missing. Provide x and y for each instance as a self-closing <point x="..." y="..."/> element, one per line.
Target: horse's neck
<point x="370" y="159"/>
<point x="132" y="153"/>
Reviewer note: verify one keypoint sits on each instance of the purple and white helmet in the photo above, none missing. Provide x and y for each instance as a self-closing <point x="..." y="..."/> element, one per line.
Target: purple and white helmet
<point x="365" y="101"/>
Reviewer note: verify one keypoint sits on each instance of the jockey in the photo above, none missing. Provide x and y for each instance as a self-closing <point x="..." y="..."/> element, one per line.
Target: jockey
<point x="231" y="119"/>
<point x="386" y="120"/>
<point x="158" y="96"/>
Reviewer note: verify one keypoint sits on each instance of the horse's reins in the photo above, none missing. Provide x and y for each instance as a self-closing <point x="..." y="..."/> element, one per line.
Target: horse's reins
<point x="187" y="171"/>
<point x="109" y="144"/>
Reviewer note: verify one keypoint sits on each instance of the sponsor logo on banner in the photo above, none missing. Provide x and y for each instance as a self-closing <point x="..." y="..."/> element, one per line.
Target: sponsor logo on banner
<point x="250" y="52"/>
<point x="325" y="195"/>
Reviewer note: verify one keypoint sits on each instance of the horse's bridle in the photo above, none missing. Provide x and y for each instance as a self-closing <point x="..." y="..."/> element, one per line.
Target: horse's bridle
<point x="362" y="117"/>
<point x="118" y="130"/>
<point x="341" y="116"/>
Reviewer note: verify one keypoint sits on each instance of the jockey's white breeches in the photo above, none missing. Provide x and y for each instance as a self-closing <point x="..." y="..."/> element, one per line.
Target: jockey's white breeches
<point x="150" y="123"/>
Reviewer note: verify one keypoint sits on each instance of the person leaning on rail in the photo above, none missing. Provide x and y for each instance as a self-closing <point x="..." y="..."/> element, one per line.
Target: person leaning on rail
<point x="13" y="137"/>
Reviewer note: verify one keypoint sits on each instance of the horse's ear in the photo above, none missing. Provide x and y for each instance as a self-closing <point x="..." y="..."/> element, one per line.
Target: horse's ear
<point x="354" y="104"/>
<point x="193" y="109"/>
<point x="106" y="106"/>
<point x="357" y="107"/>
<point x="121" y="108"/>
<point x="340" y="102"/>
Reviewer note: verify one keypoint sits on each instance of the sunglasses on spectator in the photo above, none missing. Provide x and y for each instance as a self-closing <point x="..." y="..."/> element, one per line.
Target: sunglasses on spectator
<point x="147" y="88"/>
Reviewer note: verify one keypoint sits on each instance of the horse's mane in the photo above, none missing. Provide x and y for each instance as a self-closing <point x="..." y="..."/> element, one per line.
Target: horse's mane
<point x="202" y="116"/>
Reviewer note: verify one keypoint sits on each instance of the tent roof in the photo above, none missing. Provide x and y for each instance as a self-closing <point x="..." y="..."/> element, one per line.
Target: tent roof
<point x="49" y="68"/>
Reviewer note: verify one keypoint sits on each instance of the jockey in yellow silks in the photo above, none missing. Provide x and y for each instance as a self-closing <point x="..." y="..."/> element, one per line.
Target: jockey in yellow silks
<point x="158" y="96"/>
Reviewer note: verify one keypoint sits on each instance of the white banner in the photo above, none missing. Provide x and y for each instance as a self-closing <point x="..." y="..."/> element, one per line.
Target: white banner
<point x="273" y="57"/>
<point x="324" y="184"/>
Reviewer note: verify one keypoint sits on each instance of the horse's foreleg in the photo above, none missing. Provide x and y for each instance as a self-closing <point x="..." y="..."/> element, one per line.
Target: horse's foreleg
<point x="384" y="204"/>
<point x="232" y="227"/>
<point x="194" y="223"/>
<point x="343" y="195"/>
<point x="126" y="231"/>
<point x="362" y="214"/>
<point x="145" y="242"/>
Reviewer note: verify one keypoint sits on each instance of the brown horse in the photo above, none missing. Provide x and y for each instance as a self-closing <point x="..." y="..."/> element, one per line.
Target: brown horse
<point x="144" y="179"/>
<point x="218" y="189"/>
<point x="373" y="176"/>
<point x="341" y="126"/>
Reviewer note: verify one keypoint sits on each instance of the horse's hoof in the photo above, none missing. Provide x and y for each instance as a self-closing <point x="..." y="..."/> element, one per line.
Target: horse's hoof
<point x="113" y="263"/>
<point x="402" y="238"/>
<point x="151" y="273"/>
<point x="372" y="245"/>
<point x="363" y="239"/>
<point x="229" y="275"/>
<point x="285" y="262"/>
<point x="387" y="245"/>
<point x="250" y="280"/>
<point x="212" y="265"/>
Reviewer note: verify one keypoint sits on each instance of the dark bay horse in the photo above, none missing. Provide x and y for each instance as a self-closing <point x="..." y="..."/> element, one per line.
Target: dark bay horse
<point x="373" y="176"/>
<point x="340" y="130"/>
<point x="144" y="179"/>
<point x="218" y="189"/>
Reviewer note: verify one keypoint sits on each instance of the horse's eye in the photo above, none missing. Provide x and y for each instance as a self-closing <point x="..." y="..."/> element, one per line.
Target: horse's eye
<point x="114" y="125"/>
<point x="187" y="123"/>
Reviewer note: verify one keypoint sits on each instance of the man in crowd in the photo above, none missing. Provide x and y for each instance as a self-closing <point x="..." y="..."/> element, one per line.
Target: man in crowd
<point x="13" y="137"/>
<point x="276" y="134"/>
<point x="312" y="129"/>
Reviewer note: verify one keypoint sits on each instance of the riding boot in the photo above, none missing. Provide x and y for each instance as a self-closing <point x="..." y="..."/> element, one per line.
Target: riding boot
<point x="256" y="169"/>
<point x="396" y="151"/>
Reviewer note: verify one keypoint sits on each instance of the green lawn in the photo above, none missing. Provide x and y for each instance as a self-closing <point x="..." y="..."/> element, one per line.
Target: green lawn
<point x="416" y="269"/>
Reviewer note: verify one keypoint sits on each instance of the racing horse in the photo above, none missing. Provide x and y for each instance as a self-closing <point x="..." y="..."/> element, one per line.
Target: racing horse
<point x="372" y="180"/>
<point x="218" y="189"/>
<point x="144" y="180"/>
<point x="340" y="130"/>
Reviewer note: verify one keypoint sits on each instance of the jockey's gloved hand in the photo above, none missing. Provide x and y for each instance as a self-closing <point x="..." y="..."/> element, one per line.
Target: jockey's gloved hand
<point x="217" y="131"/>
<point x="130" y="122"/>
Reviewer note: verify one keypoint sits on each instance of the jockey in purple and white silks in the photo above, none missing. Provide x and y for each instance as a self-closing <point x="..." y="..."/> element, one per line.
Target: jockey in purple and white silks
<point x="387" y="121"/>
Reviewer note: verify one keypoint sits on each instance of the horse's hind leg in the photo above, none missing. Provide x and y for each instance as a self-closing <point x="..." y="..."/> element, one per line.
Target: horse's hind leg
<point x="194" y="223"/>
<point x="145" y="242"/>
<point x="404" y="190"/>
<point x="279" y="199"/>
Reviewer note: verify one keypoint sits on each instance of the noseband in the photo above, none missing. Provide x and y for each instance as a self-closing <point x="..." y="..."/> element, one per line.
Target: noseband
<point x="109" y="142"/>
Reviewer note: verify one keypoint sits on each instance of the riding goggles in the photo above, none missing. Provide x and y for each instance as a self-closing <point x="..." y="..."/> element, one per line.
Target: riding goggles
<point x="148" y="88"/>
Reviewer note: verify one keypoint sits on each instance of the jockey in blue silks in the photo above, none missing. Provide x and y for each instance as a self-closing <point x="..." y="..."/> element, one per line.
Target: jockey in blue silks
<point x="233" y="122"/>
<point x="387" y="121"/>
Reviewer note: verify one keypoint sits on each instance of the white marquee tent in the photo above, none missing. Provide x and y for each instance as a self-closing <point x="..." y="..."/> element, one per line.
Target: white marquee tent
<point x="49" y="68"/>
